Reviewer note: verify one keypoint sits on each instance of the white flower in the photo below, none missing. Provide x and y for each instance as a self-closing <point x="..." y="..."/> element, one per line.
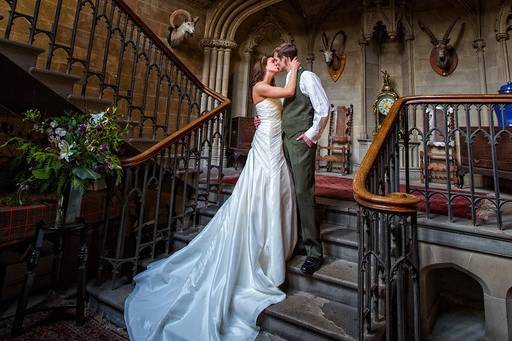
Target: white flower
<point x="60" y="132"/>
<point x="53" y="124"/>
<point x="65" y="150"/>
<point x="96" y="118"/>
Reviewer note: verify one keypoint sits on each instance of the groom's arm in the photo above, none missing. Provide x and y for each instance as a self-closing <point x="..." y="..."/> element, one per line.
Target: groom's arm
<point x="311" y="87"/>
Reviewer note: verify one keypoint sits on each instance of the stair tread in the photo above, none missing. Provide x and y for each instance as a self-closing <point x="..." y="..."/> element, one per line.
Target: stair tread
<point x="318" y="314"/>
<point x="334" y="270"/>
<point x="17" y="44"/>
<point x="54" y="73"/>
<point x="266" y="336"/>
<point x="209" y="211"/>
<point x="339" y="235"/>
<point x="90" y="99"/>
<point x="338" y="204"/>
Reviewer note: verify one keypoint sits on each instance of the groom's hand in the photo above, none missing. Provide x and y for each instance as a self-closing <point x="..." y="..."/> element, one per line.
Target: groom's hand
<point x="257" y="121"/>
<point x="306" y="140"/>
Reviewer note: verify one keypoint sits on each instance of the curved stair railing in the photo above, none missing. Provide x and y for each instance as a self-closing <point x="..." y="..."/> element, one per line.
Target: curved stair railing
<point x="114" y="58"/>
<point x="391" y="185"/>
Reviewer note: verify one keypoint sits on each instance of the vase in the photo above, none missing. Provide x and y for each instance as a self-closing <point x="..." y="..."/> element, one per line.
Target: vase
<point x="504" y="111"/>
<point x="69" y="206"/>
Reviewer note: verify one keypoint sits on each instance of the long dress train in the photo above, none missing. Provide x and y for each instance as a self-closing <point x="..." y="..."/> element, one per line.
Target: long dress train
<point x="215" y="288"/>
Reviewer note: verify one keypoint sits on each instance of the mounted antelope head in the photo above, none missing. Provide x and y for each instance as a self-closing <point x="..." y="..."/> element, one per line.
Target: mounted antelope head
<point x="335" y="61"/>
<point x="178" y="33"/>
<point x="443" y="56"/>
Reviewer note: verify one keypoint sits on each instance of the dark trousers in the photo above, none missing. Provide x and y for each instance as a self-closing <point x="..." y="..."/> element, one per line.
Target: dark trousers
<point x="301" y="161"/>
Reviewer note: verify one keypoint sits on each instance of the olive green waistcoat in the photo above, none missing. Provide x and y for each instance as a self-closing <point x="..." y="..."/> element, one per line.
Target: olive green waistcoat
<point x="298" y="112"/>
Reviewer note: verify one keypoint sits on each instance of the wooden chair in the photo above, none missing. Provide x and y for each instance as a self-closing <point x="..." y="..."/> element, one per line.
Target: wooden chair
<point x="436" y="171"/>
<point x="335" y="157"/>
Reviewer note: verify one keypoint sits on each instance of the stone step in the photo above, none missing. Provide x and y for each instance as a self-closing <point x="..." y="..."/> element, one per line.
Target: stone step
<point x="61" y="83"/>
<point x="306" y="317"/>
<point x="88" y="104"/>
<point x="333" y="211"/>
<point x="336" y="280"/>
<point x="24" y="55"/>
<point x="339" y="241"/>
<point x="339" y="212"/>
<point x="266" y="336"/>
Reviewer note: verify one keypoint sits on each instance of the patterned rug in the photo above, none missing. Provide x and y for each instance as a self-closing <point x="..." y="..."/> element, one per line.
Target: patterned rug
<point x="59" y="326"/>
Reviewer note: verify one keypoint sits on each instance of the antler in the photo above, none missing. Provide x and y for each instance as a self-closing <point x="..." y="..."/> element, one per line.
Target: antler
<point x="177" y="13"/>
<point x="427" y="30"/>
<point x="325" y="41"/>
<point x="446" y="36"/>
<point x="334" y="38"/>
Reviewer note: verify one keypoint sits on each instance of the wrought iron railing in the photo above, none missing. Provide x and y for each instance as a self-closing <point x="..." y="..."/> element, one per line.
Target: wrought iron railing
<point x="117" y="57"/>
<point x="461" y="138"/>
<point x="120" y="59"/>
<point x="163" y="191"/>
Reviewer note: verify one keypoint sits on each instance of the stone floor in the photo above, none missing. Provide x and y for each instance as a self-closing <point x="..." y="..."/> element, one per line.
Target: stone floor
<point x="458" y="325"/>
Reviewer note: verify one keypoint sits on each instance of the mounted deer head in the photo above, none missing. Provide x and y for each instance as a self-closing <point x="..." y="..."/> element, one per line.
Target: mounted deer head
<point x="335" y="61"/>
<point x="443" y="57"/>
<point x="178" y="33"/>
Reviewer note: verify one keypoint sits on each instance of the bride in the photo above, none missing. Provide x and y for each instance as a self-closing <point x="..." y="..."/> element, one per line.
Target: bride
<point x="215" y="288"/>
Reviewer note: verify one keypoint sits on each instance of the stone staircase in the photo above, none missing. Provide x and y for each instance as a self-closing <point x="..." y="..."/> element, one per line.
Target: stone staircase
<point x="318" y="307"/>
<point x="26" y="55"/>
<point x="322" y="306"/>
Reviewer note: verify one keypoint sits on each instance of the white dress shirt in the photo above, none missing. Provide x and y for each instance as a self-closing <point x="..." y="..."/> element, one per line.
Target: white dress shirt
<point x="311" y="87"/>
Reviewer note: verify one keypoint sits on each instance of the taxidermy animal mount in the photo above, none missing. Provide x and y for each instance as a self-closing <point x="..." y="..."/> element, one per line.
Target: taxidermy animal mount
<point x="443" y="57"/>
<point x="335" y="60"/>
<point x="179" y="33"/>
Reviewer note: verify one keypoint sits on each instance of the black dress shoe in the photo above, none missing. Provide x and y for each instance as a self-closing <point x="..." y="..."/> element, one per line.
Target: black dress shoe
<point x="311" y="264"/>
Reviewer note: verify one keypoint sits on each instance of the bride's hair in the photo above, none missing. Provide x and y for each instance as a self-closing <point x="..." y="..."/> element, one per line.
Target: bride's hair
<point x="258" y="70"/>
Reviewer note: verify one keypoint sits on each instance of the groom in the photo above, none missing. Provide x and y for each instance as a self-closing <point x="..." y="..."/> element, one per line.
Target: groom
<point x="304" y="118"/>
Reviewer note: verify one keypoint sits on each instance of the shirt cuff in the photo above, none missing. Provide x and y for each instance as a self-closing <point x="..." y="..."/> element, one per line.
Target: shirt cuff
<point x="310" y="134"/>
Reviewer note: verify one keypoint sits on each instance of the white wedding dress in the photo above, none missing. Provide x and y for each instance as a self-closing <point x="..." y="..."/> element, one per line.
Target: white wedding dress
<point x="215" y="288"/>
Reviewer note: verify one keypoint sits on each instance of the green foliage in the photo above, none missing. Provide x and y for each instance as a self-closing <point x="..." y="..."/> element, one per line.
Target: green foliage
<point x="80" y="148"/>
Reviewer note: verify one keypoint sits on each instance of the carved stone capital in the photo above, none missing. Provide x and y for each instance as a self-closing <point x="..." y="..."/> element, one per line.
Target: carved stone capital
<point x="479" y="45"/>
<point x="364" y="41"/>
<point x="219" y="43"/>
<point x="502" y="36"/>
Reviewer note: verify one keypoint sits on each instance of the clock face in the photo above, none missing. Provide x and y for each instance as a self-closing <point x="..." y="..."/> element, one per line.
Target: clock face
<point x="385" y="103"/>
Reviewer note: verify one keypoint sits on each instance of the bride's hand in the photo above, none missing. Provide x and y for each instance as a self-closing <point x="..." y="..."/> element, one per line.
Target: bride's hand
<point x="295" y="64"/>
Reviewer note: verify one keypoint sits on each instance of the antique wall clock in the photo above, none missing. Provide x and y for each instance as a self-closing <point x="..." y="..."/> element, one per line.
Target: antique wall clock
<point x="384" y="101"/>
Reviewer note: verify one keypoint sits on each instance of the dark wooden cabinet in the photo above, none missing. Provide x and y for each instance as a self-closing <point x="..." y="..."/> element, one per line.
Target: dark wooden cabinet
<point x="481" y="153"/>
<point x="242" y="133"/>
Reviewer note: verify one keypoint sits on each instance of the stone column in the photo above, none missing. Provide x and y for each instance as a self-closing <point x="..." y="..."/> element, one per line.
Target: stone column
<point x="225" y="71"/>
<point x="246" y="80"/>
<point x="479" y="46"/>
<point x="310" y="59"/>
<point x="220" y="68"/>
<point x="410" y="50"/>
<point x="206" y="74"/>
<point x="363" y="43"/>
<point x="502" y="39"/>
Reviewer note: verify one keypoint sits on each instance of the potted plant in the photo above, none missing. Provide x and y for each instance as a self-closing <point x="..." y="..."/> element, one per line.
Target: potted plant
<point x="76" y="149"/>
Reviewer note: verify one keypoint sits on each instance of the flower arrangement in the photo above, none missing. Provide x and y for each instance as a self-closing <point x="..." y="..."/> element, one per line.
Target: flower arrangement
<point x="77" y="149"/>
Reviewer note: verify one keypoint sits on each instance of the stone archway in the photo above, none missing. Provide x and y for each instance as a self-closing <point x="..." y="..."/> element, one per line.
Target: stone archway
<point x="449" y="305"/>
<point x="222" y="23"/>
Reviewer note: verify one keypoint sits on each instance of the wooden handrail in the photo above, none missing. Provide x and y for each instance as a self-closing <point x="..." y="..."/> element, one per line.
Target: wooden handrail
<point x="166" y="142"/>
<point x="404" y="202"/>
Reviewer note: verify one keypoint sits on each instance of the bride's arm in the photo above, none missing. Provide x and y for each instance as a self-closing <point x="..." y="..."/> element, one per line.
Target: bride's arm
<point x="269" y="91"/>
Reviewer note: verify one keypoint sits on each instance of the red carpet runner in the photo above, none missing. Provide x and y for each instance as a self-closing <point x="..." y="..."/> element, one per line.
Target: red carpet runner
<point x="341" y="189"/>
